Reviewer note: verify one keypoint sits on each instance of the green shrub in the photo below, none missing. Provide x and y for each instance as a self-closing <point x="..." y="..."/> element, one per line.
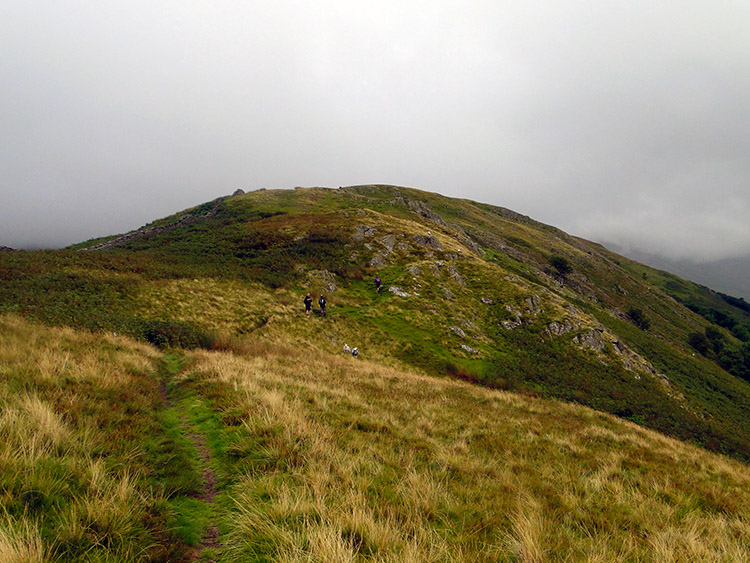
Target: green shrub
<point x="639" y="318"/>
<point x="561" y="264"/>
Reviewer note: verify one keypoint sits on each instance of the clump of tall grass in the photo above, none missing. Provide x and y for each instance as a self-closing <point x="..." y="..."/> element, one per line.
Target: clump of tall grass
<point x="20" y="541"/>
<point x="75" y="409"/>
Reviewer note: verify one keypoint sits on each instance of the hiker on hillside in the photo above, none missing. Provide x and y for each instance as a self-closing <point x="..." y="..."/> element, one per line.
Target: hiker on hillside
<point x="308" y="303"/>
<point x="322" y="303"/>
<point x="377" y="283"/>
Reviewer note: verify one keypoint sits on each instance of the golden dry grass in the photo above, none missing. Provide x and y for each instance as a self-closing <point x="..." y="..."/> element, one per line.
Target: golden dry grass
<point x="340" y="459"/>
<point x="66" y="487"/>
<point x="358" y="461"/>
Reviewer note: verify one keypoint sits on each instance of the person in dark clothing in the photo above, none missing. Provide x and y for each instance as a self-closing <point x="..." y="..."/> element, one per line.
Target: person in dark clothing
<point x="308" y="303"/>
<point x="377" y="283"/>
<point x="322" y="303"/>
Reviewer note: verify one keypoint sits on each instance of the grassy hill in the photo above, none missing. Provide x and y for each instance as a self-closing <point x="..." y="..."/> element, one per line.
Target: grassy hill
<point x="238" y="416"/>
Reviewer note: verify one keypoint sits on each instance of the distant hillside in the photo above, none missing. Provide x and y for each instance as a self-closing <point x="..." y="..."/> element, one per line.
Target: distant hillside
<point x="729" y="275"/>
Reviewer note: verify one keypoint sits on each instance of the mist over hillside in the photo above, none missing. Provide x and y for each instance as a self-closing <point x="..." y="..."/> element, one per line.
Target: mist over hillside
<point x="728" y="275"/>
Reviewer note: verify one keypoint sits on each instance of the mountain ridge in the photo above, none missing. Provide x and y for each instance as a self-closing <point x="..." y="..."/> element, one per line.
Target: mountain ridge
<point x="475" y="295"/>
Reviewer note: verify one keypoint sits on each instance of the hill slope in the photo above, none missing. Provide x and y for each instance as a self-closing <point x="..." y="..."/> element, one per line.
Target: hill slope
<point x="472" y="291"/>
<point x="283" y="452"/>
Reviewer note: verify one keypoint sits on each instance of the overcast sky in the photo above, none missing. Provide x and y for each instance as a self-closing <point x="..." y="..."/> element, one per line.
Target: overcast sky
<point x="616" y="121"/>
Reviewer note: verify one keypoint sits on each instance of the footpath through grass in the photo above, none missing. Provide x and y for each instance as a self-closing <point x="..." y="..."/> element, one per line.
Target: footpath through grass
<point x="103" y="457"/>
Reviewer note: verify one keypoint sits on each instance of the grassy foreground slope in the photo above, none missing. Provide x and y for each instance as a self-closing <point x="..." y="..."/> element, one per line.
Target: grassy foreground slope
<point x="320" y="457"/>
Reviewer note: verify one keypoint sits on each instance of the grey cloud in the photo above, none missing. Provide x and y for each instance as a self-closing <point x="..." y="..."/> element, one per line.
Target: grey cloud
<point x="621" y="122"/>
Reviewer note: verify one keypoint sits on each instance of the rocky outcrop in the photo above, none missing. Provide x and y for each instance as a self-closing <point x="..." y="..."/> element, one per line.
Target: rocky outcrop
<point x="323" y="279"/>
<point x="459" y="331"/>
<point x="428" y="241"/>
<point x="456" y="276"/>
<point x="422" y="210"/>
<point x="377" y="261"/>
<point x="469" y="349"/>
<point x="363" y="232"/>
<point x="187" y="219"/>
<point x="592" y="340"/>
<point x="558" y="328"/>
<point x="532" y="308"/>
<point x="398" y="291"/>
<point x="389" y="241"/>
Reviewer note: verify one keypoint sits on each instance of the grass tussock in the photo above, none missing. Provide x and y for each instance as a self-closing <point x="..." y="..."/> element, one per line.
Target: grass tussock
<point x="75" y="479"/>
<point x="345" y="460"/>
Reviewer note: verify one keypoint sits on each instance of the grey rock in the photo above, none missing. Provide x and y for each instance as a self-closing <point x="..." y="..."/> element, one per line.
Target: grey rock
<point x="324" y="278"/>
<point x="362" y="232"/>
<point x="377" y="261"/>
<point x="533" y="305"/>
<point x="487" y="300"/>
<point x="592" y="340"/>
<point x="459" y="331"/>
<point x="422" y="210"/>
<point x="398" y="291"/>
<point x="389" y="241"/>
<point x="469" y="349"/>
<point x="456" y="276"/>
<point x="515" y="322"/>
<point x="428" y="241"/>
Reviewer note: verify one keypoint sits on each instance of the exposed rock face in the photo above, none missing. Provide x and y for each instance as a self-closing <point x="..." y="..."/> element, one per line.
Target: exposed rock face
<point x="459" y="331"/>
<point x="7" y="249"/>
<point x="456" y="276"/>
<point x="533" y="305"/>
<point x="362" y="232"/>
<point x="186" y="219"/>
<point x="592" y="340"/>
<point x="558" y="328"/>
<point x="398" y="291"/>
<point x="378" y="261"/>
<point x="389" y="241"/>
<point x="469" y="349"/>
<point x="238" y="192"/>
<point x="414" y="270"/>
<point x="516" y="321"/>
<point x="447" y="292"/>
<point x="428" y="241"/>
<point x="487" y="300"/>
<point x="423" y="211"/>
<point x="324" y="278"/>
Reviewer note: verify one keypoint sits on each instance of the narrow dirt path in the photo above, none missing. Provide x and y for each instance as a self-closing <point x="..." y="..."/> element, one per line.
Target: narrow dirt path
<point x="208" y="493"/>
<point x="210" y="539"/>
